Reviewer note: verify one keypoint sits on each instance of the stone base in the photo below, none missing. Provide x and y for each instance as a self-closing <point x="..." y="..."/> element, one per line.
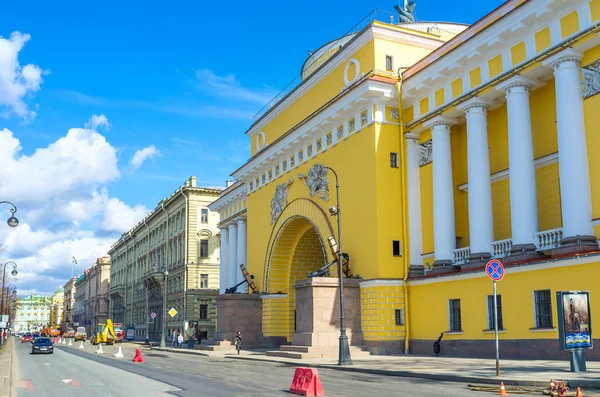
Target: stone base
<point x="442" y="267"/>
<point x="239" y="312"/>
<point x="476" y="260"/>
<point x="384" y="347"/>
<point x="576" y="245"/>
<point x="416" y="271"/>
<point x="528" y="349"/>
<point x="523" y="253"/>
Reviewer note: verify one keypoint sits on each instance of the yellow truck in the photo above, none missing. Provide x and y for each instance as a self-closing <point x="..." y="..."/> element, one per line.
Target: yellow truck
<point x="105" y="333"/>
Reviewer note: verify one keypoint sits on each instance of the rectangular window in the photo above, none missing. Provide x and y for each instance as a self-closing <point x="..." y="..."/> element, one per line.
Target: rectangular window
<point x="389" y="63"/>
<point x="543" y="309"/>
<point x="203" y="312"/>
<point x="203" y="248"/>
<point x="399" y="317"/>
<point x="204" y="281"/>
<point x="396" y="248"/>
<point x="204" y="215"/>
<point x="490" y="310"/>
<point x="454" y="315"/>
<point x="394" y="160"/>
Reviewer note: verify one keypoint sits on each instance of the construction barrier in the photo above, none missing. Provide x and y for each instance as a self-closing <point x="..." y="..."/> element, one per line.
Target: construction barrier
<point x="138" y="356"/>
<point x="99" y="351"/>
<point x="119" y="354"/>
<point x="306" y="382"/>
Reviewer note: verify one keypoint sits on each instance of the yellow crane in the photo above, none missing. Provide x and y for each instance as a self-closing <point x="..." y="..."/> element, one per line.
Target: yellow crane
<point x="105" y="333"/>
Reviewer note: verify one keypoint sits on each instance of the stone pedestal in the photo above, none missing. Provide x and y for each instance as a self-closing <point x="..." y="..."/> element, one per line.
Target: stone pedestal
<point x="239" y="312"/>
<point x="318" y="313"/>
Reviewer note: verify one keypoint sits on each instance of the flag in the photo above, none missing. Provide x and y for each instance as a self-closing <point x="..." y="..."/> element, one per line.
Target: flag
<point x="74" y="260"/>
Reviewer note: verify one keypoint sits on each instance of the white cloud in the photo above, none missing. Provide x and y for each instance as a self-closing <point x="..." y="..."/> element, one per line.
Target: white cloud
<point x="120" y="217"/>
<point x="98" y="121"/>
<point x="228" y="86"/>
<point x="144" y="154"/>
<point x="17" y="83"/>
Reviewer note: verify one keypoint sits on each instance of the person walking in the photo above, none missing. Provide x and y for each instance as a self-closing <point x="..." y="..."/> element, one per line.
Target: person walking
<point x="179" y="339"/>
<point x="191" y="335"/>
<point x="174" y="340"/>
<point x="238" y="342"/>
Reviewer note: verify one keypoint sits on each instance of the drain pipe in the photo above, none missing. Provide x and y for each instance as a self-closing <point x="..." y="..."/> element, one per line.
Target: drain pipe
<point x="406" y="256"/>
<point x="147" y="286"/>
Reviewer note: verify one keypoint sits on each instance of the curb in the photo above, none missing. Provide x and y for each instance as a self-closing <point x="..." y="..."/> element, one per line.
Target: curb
<point x="587" y="384"/>
<point x="181" y="351"/>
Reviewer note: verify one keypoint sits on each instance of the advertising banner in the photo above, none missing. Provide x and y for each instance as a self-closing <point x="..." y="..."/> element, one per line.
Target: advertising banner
<point x="574" y="320"/>
<point x="130" y="333"/>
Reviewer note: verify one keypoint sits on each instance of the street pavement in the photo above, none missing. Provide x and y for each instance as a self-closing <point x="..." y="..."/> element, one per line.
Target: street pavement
<point x="193" y="375"/>
<point x="64" y="374"/>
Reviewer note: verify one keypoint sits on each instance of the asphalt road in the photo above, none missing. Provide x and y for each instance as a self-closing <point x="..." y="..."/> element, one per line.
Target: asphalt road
<point x="165" y="373"/>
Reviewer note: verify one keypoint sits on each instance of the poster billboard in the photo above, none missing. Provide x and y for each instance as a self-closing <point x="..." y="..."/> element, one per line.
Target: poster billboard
<point x="130" y="333"/>
<point x="574" y="320"/>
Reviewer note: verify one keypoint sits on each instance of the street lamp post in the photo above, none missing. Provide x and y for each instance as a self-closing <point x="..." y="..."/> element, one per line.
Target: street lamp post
<point x="14" y="273"/>
<point x="14" y="292"/>
<point x="163" y="343"/>
<point x="12" y="221"/>
<point x="344" y="348"/>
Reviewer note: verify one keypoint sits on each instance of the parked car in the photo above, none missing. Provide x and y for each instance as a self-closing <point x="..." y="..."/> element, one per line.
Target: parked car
<point x="69" y="333"/>
<point x="42" y="345"/>
<point x="80" y="334"/>
<point x="27" y="338"/>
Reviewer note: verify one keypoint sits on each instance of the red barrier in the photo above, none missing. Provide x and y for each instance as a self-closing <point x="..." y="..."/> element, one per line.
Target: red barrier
<point x="138" y="356"/>
<point x="306" y="382"/>
<point x="53" y="340"/>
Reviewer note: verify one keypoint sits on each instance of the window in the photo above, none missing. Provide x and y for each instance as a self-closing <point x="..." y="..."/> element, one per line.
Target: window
<point x="399" y="317"/>
<point x="203" y="312"/>
<point x="543" y="309"/>
<point x="454" y="315"/>
<point x="490" y="311"/>
<point x="396" y="247"/>
<point x="204" y="215"/>
<point x="389" y="63"/>
<point x="204" y="281"/>
<point x="394" y="160"/>
<point x="203" y="248"/>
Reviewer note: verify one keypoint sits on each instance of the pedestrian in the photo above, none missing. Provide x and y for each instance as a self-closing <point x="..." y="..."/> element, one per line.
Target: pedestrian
<point x="179" y="339"/>
<point x="174" y="340"/>
<point x="191" y="335"/>
<point x="238" y="342"/>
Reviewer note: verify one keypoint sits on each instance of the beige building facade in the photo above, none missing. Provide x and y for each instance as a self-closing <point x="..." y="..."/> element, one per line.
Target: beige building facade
<point x="91" y="295"/>
<point x="177" y="246"/>
<point x="69" y="301"/>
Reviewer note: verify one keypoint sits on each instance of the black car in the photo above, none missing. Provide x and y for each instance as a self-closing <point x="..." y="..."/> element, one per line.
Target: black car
<point x="42" y="345"/>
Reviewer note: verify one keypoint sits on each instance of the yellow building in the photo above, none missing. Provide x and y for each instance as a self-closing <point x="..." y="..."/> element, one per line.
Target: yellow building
<point x="452" y="145"/>
<point x="56" y="308"/>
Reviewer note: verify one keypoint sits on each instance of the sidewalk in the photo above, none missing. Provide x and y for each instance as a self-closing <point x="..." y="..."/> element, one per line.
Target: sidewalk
<point x="512" y="372"/>
<point x="6" y="367"/>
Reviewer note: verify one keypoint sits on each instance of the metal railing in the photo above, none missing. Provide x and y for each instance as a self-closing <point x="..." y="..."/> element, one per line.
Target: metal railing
<point x="461" y="255"/>
<point x="548" y="239"/>
<point x="501" y="248"/>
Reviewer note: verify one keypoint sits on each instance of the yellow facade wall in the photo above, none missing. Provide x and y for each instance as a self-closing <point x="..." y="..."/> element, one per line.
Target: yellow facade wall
<point x="475" y="77"/>
<point x="501" y="209"/>
<point x="591" y="106"/>
<point x="378" y="312"/>
<point x="569" y="24"/>
<point x="542" y="39"/>
<point x="423" y="106"/>
<point x="403" y="54"/>
<point x="543" y="120"/>
<point x="498" y="139"/>
<point x="457" y="87"/>
<point x="495" y="66"/>
<point x="548" y="197"/>
<point x="327" y="88"/>
<point x="518" y="53"/>
<point x="458" y="141"/>
<point x="426" y="178"/>
<point x="358" y="189"/>
<point x="408" y="114"/>
<point x="517" y="302"/>
<point x="595" y="10"/>
<point x="439" y="97"/>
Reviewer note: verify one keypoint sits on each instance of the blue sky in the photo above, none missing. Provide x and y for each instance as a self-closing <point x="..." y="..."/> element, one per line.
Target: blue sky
<point x="181" y="79"/>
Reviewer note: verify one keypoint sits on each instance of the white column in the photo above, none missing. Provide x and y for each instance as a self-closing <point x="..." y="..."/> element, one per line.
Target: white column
<point x="481" y="224"/>
<point x="241" y="252"/>
<point x="414" y="202"/>
<point x="575" y="192"/>
<point x="444" y="233"/>
<point x="223" y="266"/>
<point x="523" y="196"/>
<point x="232" y="262"/>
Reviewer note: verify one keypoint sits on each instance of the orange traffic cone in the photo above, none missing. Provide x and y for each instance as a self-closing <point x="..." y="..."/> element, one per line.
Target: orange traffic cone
<point x="502" y="391"/>
<point x="138" y="356"/>
<point x="579" y="394"/>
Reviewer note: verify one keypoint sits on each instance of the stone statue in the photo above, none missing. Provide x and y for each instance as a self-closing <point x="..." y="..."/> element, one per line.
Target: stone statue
<point x="279" y="200"/>
<point x="407" y="14"/>
<point x="317" y="181"/>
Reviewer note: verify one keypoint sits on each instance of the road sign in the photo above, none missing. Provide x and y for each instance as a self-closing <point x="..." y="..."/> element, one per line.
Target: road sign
<point x="153" y="315"/>
<point x="172" y="312"/>
<point x="494" y="270"/>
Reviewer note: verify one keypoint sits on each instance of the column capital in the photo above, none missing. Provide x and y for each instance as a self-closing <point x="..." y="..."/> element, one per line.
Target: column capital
<point x="411" y="137"/>
<point x="438" y="121"/>
<point x="474" y="103"/>
<point x="568" y="57"/>
<point x="516" y="84"/>
<point x="241" y="220"/>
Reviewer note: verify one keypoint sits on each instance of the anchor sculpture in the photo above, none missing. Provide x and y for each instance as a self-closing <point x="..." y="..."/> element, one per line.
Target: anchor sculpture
<point x="248" y="278"/>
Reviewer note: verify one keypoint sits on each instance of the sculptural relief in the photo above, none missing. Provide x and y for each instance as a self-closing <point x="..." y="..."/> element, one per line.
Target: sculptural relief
<point x="317" y="182"/>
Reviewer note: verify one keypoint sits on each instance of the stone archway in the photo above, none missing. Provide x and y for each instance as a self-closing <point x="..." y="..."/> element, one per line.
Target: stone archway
<point x="297" y="247"/>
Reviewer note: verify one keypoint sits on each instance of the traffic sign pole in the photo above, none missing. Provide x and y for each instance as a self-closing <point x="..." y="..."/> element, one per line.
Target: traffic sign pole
<point x="496" y="330"/>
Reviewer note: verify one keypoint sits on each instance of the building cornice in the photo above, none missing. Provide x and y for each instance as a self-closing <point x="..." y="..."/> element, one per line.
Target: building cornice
<point x="235" y="195"/>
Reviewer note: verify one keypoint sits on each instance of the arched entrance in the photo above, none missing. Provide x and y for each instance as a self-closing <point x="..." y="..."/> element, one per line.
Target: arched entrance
<point x="297" y="247"/>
